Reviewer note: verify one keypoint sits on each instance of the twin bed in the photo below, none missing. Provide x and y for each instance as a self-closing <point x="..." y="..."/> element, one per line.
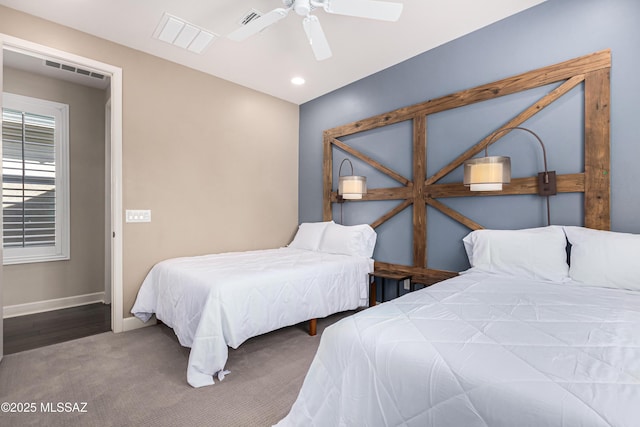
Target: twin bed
<point x="213" y="302"/>
<point x="520" y="339"/>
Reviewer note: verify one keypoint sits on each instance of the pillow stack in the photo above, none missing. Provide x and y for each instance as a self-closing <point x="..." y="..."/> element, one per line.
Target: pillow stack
<point x="604" y="258"/>
<point x="309" y="235"/>
<point x="597" y="258"/>
<point x="536" y="253"/>
<point x="329" y="237"/>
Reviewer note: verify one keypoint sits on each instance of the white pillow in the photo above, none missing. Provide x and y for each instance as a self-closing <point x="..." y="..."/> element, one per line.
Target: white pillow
<point x="535" y="253"/>
<point x="309" y="235"/>
<point x="358" y="240"/>
<point x="604" y="258"/>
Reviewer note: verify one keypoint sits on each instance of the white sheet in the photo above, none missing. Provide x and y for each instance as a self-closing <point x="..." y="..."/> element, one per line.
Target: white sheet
<point x="480" y="350"/>
<point x="221" y="300"/>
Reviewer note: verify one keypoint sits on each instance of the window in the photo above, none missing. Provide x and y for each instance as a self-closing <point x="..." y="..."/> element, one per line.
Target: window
<point x="35" y="185"/>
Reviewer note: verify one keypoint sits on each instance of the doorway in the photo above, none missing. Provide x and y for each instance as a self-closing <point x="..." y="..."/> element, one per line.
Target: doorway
<point x="111" y="115"/>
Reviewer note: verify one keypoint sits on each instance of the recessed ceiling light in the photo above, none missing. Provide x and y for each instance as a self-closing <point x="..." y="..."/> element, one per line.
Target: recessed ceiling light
<point x="297" y="81"/>
<point x="181" y="33"/>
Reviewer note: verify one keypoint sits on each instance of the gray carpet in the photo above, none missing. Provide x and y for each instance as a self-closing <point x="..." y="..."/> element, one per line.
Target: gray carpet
<point x="138" y="378"/>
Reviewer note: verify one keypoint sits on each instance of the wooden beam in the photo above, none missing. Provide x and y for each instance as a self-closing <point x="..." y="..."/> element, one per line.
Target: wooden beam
<point x="454" y="214"/>
<point x="327" y="178"/>
<point x="419" y="175"/>
<point x="516" y="121"/>
<point x="392" y="193"/>
<point x="393" y="212"/>
<point x="377" y="165"/>
<point x="529" y="80"/>
<point x="593" y="69"/>
<point x="597" y="150"/>
<point x="569" y="183"/>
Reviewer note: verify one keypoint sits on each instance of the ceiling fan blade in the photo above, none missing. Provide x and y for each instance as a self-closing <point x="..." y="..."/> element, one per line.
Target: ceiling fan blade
<point x="258" y="25"/>
<point x="316" y="37"/>
<point x="382" y="10"/>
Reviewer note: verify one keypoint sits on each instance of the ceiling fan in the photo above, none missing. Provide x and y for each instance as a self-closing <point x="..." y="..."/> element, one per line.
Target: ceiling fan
<point x="373" y="9"/>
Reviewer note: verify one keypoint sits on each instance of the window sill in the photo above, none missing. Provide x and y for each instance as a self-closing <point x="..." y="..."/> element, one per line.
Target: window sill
<point x="33" y="259"/>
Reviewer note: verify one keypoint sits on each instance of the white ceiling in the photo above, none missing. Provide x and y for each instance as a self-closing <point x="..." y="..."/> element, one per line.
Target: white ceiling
<point x="267" y="61"/>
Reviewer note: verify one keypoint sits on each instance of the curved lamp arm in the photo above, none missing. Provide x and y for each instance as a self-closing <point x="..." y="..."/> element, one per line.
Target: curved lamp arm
<point x="342" y="163"/>
<point x="546" y="180"/>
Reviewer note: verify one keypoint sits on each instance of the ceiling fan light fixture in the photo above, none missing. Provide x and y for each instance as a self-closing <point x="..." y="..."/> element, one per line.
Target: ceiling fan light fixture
<point x="302" y="7"/>
<point x="372" y="9"/>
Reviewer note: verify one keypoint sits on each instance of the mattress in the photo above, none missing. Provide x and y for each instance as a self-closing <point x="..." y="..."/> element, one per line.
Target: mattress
<point x="216" y="301"/>
<point x="480" y="350"/>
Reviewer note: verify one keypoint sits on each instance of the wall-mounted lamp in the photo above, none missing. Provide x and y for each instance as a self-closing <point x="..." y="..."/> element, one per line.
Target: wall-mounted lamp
<point x="488" y="173"/>
<point x="351" y="187"/>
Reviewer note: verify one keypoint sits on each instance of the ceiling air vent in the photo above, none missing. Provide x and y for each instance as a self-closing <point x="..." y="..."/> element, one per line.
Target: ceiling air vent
<point x="252" y="15"/>
<point x="182" y="34"/>
<point x="73" y="69"/>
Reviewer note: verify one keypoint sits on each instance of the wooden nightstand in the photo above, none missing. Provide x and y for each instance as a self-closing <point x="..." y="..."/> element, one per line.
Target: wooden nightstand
<point x="384" y="275"/>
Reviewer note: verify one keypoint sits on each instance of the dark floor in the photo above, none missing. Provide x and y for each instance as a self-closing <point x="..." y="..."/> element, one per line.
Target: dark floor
<point x="41" y="329"/>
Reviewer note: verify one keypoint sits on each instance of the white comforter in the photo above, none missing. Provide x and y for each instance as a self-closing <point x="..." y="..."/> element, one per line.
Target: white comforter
<point x="221" y="300"/>
<point x="483" y="351"/>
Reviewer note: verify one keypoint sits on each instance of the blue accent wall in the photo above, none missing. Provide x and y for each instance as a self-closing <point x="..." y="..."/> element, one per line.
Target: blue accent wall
<point x="552" y="32"/>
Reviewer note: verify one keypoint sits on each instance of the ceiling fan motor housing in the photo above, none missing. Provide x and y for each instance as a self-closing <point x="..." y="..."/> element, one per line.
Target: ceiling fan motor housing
<point x="301" y="7"/>
<point x="372" y="9"/>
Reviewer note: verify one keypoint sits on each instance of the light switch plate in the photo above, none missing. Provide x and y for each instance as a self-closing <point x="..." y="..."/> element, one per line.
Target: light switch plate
<point x="137" y="215"/>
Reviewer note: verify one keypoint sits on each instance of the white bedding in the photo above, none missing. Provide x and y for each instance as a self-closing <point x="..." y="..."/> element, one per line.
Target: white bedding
<point x="221" y="300"/>
<point x="480" y="350"/>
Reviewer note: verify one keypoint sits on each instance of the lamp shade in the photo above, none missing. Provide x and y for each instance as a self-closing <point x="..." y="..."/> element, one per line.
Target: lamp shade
<point x="487" y="173"/>
<point x="352" y="187"/>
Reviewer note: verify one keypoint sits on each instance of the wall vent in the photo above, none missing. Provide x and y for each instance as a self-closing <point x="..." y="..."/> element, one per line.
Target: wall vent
<point x="73" y="69"/>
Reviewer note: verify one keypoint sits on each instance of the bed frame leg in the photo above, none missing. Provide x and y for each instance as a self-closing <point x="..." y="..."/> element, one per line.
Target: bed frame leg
<point x="313" y="323"/>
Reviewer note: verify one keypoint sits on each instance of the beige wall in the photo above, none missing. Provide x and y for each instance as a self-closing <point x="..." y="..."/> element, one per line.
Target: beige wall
<point x="84" y="272"/>
<point x="215" y="162"/>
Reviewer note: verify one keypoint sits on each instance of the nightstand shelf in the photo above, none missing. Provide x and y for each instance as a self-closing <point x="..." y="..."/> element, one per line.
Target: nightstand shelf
<point x="383" y="276"/>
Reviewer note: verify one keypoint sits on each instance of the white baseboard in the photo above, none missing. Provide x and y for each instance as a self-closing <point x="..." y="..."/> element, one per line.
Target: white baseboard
<point x="131" y="323"/>
<point x="52" y="304"/>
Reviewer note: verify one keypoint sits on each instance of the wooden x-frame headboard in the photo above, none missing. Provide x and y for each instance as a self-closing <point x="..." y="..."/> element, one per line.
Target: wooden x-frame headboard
<point x="591" y="70"/>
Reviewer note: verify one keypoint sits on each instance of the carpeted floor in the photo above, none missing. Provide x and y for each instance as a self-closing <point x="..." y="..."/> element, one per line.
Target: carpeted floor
<point x="138" y="378"/>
